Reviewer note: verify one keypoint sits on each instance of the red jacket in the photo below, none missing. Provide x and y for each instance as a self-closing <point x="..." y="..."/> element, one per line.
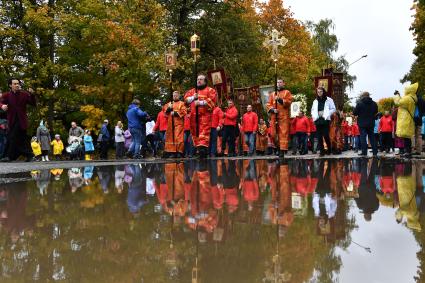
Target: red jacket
<point x="250" y="189"/>
<point x="17" y="107"/>
<point x="355" y="131"/>
<point x="301" y="124"/>
<point x="386" y="124"/>
<point x="312" y="125"/>
<point x="161" y="122"/>
<point x="347" y="129"/>
<point x="187" y="122"/>
<point x="387" y="184"/>
<point x="231" y="116"/>
<point x="217" y="116"/>
<point x="250" y="122"/>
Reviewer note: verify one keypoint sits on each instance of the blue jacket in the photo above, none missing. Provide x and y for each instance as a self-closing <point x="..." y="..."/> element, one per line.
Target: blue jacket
<point x="105" y="133"/>
<point x="375" y="129"/>
<point x="88" y="143"/>
<point x="136" y="117"/>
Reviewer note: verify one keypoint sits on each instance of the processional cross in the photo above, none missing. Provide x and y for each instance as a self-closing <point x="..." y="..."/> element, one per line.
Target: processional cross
<point x="274" y="43"/>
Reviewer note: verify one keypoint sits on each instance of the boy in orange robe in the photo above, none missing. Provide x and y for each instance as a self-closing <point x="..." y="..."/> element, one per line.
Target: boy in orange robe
<point x="174" y="139"/>
<point x="279" y="106"/>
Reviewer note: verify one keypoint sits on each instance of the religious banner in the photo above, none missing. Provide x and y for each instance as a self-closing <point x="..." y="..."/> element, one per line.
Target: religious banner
<point x="299" y="204"/>
<point x="338" y="90"/>
<point x="170" y="60"/>
<point x="325" y="82"/>
<point x="242" y="99"/>
<point x="295" y="109"/>
<point x="249" y="96"/>
<point x="256" y="102"/>
<point x="219" y="83"/>
<point x="265" y="91"/>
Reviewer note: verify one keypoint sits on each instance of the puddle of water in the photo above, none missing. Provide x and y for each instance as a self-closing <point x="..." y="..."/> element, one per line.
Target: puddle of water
<point x="218" y="221"/>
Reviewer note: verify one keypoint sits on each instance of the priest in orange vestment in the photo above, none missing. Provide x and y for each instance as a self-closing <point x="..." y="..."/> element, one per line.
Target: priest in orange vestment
<point x="204" y="98"/>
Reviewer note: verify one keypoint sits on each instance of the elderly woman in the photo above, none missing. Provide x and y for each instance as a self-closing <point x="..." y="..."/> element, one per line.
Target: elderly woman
<point x="321" y="112"/>
<point x="406" y="111"/>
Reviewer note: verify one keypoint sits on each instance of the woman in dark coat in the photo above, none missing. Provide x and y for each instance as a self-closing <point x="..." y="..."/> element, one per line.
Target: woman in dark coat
<point x="43" y="137"/>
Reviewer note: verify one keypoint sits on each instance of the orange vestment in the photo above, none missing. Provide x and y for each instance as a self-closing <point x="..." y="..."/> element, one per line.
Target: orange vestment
<point x="283" y="117"/>
<point x="209" y="95"/>
<point x="175" y="126"/>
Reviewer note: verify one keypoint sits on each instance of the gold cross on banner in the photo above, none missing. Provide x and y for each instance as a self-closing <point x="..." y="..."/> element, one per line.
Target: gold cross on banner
<point x="274" y="43"/>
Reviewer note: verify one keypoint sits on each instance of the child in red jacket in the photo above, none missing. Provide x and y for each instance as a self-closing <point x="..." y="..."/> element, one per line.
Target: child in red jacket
<point x="356" y="135"/>
<point x="302" y="130"/>
<point x="386" y="127"/>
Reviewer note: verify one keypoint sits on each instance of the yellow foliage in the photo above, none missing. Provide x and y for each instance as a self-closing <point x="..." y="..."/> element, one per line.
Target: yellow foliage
<point x="94" y="116"/>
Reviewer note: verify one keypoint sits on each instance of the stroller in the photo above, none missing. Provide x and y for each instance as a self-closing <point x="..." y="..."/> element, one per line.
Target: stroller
<point x="75" y="149"/>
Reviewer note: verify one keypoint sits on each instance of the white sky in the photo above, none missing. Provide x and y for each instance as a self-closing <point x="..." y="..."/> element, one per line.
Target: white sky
<point x="378" y="28"/>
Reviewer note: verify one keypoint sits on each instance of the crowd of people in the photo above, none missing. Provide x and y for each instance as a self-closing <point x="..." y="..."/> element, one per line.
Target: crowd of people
<point x="195" y="125"/>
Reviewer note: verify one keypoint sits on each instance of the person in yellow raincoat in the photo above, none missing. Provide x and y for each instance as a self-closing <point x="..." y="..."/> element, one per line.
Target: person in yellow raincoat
<point x="36" y="148"/>
<point x="57" y="147"/>
<point x="406" y="186"/>
<point x="406" y="111"/>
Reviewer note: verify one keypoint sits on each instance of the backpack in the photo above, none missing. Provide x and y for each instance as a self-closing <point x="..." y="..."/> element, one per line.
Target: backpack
<point x="417" y="114"/>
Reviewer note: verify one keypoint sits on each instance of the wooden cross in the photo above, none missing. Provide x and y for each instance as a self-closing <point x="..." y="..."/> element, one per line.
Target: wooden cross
<point x="274" y="43"/>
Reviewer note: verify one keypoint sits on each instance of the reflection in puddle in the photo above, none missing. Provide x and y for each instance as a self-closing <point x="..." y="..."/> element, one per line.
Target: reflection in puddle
<point x="216" y="221"/>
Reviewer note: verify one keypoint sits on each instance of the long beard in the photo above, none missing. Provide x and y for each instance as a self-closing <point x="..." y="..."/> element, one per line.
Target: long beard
<point x="280" y="88"/>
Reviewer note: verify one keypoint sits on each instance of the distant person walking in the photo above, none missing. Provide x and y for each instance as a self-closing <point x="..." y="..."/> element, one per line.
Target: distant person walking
<point x="136" y="117"/>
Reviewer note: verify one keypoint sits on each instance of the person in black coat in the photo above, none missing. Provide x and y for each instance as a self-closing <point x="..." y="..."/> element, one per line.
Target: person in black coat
<point x="366" y="110"/>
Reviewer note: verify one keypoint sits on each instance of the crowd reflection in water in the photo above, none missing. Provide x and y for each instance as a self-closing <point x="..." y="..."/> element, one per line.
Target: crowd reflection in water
<point x="206" y="196"/>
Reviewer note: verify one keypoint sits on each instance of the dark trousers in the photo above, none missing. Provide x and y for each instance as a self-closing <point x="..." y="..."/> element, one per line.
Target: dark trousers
<point x="18" y="143"/>
<point x="378" y="141"/>
<point x="104" y="149"/>
<point x="188" y="145"/>
<point x="229" y="138"/>
<point x="407" y="145"/>
<point x="213" y="142"/>
<point x="368" y="131"/>
<point x="152" y="143"/>
<point x="3" y="141"/>
<point x="322" y="132"/>
<point x="302" y="142"/>
<point x="119" y="146"/>
<point x="346" y="142"/>
<point x="387" y="142"/>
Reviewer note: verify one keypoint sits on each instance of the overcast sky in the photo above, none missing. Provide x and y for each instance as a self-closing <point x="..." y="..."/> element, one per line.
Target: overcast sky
<point x="378" y="28"/>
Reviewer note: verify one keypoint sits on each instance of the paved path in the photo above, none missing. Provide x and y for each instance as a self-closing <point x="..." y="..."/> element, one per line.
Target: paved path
<point x="16" y="167"/>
